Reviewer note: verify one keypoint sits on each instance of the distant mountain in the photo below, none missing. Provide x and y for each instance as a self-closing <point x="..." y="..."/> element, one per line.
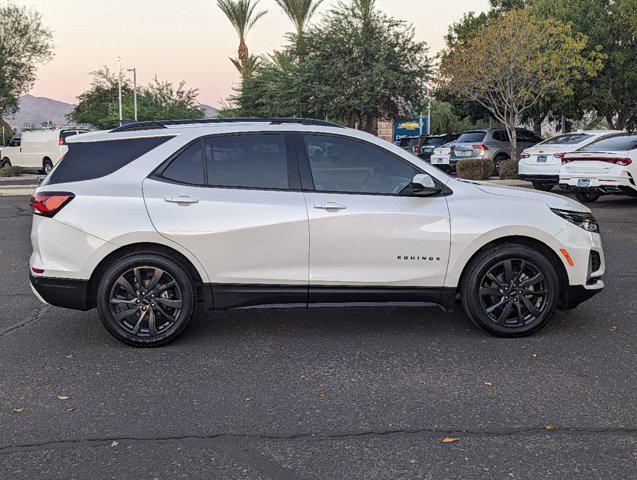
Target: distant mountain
<point x="209" y="112"/>
<point x="36" y="110"/>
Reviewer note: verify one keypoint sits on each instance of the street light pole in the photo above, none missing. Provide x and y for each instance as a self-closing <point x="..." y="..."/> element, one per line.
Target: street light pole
<point x="119" y="87"/>
<point x="134" y="70"/>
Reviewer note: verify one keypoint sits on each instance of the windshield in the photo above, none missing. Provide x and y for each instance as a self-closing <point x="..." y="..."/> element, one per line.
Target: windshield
<point x="471" y="137"/>
<point x="615" y="143"/>
<point x="568" y="139"/>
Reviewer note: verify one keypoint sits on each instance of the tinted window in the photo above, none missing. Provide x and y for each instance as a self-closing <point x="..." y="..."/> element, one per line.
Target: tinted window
<point x="346" y="165"/>
<point x="501" y="136"/>
<point x="187" y="167"/>
<point x="89" y="160"/>
<point x="15" y="141"/>
<point x="470" y="137"/>
<point x="613" y="144"/>
<point x="528" y="137"/>
<point x="434" y="141"/>
<point x="247" y="161"/>
<point x="570" y="139"/>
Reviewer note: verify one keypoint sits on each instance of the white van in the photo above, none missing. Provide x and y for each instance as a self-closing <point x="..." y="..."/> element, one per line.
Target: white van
<point x="38" y="149"/>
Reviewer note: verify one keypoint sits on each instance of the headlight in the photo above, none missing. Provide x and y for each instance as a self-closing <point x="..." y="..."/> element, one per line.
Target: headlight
<point x="582" y="220"/>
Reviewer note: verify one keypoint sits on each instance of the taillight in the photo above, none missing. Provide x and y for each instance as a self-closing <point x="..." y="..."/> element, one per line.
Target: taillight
<point x="622" y="162"/>
<point x="47" y="204"/>
<point x="559" y="155"/>
<point x="480" y="147"/>
<point x="417" y="150"/>
<point x="61" y="141"/>
<point x="525" y="155"/>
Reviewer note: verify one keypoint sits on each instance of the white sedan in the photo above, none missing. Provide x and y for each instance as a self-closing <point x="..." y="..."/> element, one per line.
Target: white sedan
<point x="541" y="163"/>
<point x="608" y="166"/>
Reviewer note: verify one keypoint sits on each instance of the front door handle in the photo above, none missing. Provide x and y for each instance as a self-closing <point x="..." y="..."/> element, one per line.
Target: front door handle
<point x="329" y="206"/>
<point x="182" y="200"/>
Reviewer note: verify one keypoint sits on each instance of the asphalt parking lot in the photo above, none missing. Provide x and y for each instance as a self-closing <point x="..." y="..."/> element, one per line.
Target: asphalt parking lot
<point x="323" y="393"/>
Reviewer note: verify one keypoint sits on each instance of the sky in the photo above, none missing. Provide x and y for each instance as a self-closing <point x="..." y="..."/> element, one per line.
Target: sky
<point x="187" y="40"/>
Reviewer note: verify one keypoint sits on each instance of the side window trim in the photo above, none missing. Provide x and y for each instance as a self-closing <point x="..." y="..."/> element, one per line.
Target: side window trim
<point x="307" y="180"/>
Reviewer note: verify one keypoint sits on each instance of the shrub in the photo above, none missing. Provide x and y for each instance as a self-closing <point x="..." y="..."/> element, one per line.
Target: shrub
<point x="508" y="169"/>
<point x="11" y="171"/>
<point x="475" y="168"/>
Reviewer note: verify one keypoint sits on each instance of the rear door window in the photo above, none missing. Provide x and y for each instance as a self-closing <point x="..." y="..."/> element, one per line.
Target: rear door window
<point x="250" y="160"/>
<point x="187" y="167"/>
<point x="90" y="160"/>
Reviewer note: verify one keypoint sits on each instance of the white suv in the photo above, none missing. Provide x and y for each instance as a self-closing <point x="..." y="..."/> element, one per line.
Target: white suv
<point x="146" y="221"/>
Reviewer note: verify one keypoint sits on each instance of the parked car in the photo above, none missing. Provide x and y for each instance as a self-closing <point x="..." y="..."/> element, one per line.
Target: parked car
<point x="541" y="163"/>
<point x="604" y="167"/>
<point x="410" y="143"/>
<point x="491" y="144"/>
<point x="38" y="149"/>
<point x="429" y="143"/>
<point x="440" y="157"/>
<point x="146" y="221"/>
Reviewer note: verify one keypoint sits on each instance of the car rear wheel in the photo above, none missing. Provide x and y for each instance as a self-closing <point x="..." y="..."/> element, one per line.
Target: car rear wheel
<point x="146" y="300"/>
<point x="586" y="197"/>
<point x="544" y="186"/>
<point x="496" y="164"/>
<point x="5" y="163"/>
<point x="510" y="290"/>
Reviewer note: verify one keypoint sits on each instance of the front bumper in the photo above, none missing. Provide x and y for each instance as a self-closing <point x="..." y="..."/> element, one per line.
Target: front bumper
<point x="63" y="292"/>
<point x="577" y="295"/>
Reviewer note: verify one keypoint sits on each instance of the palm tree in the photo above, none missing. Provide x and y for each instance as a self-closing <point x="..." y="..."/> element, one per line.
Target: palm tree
<point x="242" y="15"/>
<point x="253" y="62"/>
<point x="299" y="11"/>
<point x="366" y="9"/>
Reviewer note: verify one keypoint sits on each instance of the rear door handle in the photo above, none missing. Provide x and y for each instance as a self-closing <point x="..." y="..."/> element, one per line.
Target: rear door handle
<point x="329" y="206"/>
<point x="182" y="200"/>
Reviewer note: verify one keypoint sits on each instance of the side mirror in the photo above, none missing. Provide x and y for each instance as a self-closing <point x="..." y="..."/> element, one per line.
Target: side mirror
<point x="424" y="186"/>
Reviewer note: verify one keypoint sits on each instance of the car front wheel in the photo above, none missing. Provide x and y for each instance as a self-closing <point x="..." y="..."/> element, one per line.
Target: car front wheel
<point x="586" y="197"/>
<point x="146" y="300"/>
<point x="510" y="290"/>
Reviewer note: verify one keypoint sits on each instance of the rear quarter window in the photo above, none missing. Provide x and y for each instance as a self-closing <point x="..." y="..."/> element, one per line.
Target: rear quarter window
<point x="91" y="160"/>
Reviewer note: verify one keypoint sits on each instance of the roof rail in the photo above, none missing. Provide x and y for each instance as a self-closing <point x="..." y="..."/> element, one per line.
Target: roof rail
<point x="157" y="124"/>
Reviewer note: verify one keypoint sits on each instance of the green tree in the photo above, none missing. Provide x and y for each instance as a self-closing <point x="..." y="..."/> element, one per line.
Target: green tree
<point x="24" y="44"/>
<point x="243" y="16"/>
<point x="611" y="28"/>
<point x="98" y="106"/>
<point x="359" y="65"/>
<point x="513" y="63"/>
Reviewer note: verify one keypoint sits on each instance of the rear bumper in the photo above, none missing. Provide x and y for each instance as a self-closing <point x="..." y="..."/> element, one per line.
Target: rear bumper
<point x="62" y="292"/>
<point x="530" y="177"/>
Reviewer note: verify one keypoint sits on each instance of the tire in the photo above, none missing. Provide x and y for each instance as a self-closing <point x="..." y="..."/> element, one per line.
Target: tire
<point x="139" y="319"/>
<point x="543" y="186"/>
<point x="484" y="303"/>
<point x="5" y="163"/>
<point x="496" y="164"/>
<point x="586" y="197"/>
<point x="47" y="166"/>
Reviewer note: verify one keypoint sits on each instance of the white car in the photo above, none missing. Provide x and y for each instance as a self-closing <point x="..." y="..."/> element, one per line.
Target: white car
<point x="441" y="157"/>
<point x="37" y="149"/>
<point x="541" y="163"/>
<point x="146" y="221"/>
<point x="607" y="166"/>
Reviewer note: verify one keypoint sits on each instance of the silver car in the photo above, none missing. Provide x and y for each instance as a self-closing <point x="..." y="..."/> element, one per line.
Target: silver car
<point x="491" y="143"/>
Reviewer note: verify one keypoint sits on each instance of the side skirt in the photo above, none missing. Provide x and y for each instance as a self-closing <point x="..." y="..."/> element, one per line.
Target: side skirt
<point x="243" y="295"/>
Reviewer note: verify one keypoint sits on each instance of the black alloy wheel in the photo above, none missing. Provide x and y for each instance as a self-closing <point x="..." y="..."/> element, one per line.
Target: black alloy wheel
<point x="146" y="300"/>
<point x="510" y="290"/>
<point x="513" y="293"/>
